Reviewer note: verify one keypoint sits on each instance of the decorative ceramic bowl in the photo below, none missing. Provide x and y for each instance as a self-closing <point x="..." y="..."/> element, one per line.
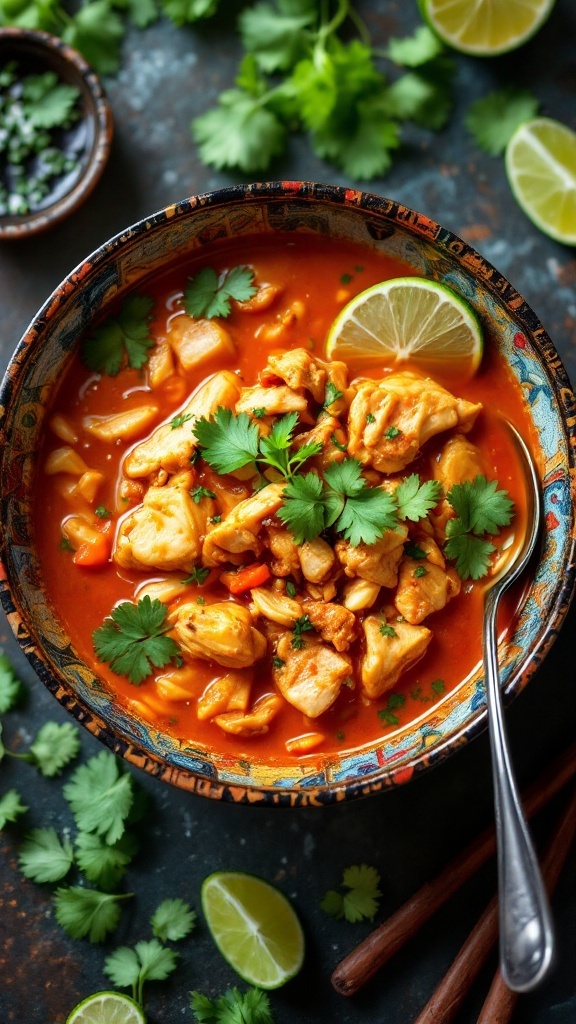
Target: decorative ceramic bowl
<point x="41" y="359"/>
<point x="85" y="142"/>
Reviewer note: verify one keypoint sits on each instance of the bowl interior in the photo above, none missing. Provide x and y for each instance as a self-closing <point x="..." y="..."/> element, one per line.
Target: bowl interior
<point x="88" y="140"/>
<point x="42" y="357"/>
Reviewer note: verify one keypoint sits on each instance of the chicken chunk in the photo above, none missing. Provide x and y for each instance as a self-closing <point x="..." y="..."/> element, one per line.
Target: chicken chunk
<point x="335" y="624"/>
<point x="423" y="588"/>
<point x="275" y="401"/>
<point x="285" y="561"/>
<point x="165" y="532"/>
<point x="390" y="420"/>
<point x="219" y="632"/>
<point x="326" y="430"/>
<point x="122" y="426"/>
<point x="239" y="531"/>
<point x="310" y="678"/>
<point x="275" y="606"/>
<point x="254" y="722"/>
<point x="169" y="448"/>
<point x="376" y="563"/>
<point x="299" y="370"/>
<point x="228" y="693"/>
<point x="389" y="652"/>
<point x="317" y="560"/>
<point x="197" y="341"/>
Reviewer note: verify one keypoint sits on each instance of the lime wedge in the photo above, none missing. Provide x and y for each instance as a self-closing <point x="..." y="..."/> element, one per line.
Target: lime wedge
<point x="541" y="169"/>
<point x="254" y="927"/>
<point x="486" y="27"/>
<point x="409" y="320"/>
<point x="107" y="1008"/>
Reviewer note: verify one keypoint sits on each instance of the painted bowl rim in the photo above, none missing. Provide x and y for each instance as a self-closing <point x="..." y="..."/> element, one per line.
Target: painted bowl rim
<point x="96" y="111"/>
<point x="313" y="791"/>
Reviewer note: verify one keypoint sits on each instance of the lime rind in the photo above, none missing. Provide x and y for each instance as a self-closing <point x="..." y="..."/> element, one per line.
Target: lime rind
<point x="107" y="1007"/>
<point x="486" y="28"/>
<point x="412" y="320"/>
<point x="540" y="165"/>
<point x="254" y="926"/>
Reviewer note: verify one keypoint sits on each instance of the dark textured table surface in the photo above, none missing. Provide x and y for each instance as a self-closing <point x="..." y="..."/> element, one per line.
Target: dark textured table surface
<point x="168" y="76"/>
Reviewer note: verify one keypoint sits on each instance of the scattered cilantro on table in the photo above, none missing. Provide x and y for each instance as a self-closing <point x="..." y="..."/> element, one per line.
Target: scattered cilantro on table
<point x="173" y="919"/>
<point x="11" y="807"/>
<point x="147" y="961"/>
<point x="53" y="747"/>
<point x="44" y="857"/>
<point x="493" y="119"/>
<point x="10" y="686"/>
<point x="357" y="898"/>
<point x="234" y="1007"/>
<point x="84" y="912"/>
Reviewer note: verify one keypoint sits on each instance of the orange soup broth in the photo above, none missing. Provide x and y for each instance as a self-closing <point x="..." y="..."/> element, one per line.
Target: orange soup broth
<point x="324" y="275"/>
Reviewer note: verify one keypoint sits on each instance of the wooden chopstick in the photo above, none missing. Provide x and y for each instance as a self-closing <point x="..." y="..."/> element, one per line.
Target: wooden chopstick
<point x="500" y="1002"/>
<point x="363" y="962"/>
<point x="456" y="983"/>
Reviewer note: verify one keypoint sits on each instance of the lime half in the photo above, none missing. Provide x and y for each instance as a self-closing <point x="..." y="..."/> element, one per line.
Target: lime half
<point x="107" y="1008"/>
<point x="409" y="320"/>
<point x="541" y="169"/>
<point x="486" y="27"/>
<point x="254" y="926"/>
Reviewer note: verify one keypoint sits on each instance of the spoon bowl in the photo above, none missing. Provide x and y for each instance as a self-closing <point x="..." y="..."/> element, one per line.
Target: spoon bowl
<point x="526" y="934"/>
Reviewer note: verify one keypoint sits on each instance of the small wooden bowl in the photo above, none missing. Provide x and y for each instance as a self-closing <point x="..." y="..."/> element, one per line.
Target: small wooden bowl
<point x="37" y="52"/>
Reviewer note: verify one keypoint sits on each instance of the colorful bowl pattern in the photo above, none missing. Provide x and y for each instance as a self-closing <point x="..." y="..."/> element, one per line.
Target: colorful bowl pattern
<point x="41" y="358"/>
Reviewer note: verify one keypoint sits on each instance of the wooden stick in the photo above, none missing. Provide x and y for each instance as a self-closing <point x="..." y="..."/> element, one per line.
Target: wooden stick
<point x="449" y="996"/>
<point x="500" y="1001"/>
<point x="363" y="962"/>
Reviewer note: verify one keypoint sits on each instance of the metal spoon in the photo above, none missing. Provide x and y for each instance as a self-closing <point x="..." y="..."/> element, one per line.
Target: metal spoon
<point x="526" y="934"/>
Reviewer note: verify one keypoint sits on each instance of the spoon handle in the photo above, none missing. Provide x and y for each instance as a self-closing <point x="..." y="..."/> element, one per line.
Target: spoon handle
<point x="526" y="934"/>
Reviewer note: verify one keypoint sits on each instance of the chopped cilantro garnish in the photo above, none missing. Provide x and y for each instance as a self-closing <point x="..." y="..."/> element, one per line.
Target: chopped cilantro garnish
<point x="259" y="412"/>
<point x="392" y="432"/>
<point x="345" y="278"/>
<point x="198" y="575"/>
<point x="216" y="519"/>
<point x="101" y="511"/>
<point x="420" y="571"/>
<point x="387" y="630"/>
<point x="414" y="551"/>
<point x="278" y="662"/>
<point x="337" y="444"/>
<point x="370" y="417"/>
<point x="180" y="420"/>
<point x="290" y="589"/>
<point x="438" y="686"/>
<point x="197" y="493"/>
<point x="332" y="394"/>
<point x="302" y="625"/>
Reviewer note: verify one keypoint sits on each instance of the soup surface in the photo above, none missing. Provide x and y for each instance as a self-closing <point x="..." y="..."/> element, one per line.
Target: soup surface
<point x="249" y="542"/>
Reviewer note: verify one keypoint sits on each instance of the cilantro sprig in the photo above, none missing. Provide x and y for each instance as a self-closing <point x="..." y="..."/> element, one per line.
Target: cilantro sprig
<point x="234" y="1007"/>
<point x="481" y="510"/>
<point x="132" y="639"/>
<point x="208" y="294"/>
<point x="358" y="897"/>
<point x="121" y="341"/>
<point x="230" y="442"/>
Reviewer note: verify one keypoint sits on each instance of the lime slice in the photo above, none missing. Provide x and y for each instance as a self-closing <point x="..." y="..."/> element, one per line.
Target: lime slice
<point x="107" y="1008"/>
<point x="254" y="927"/>
<point x="541" y="169"/>
<point x="486" y="27"/>
<point x="409" y="320"/>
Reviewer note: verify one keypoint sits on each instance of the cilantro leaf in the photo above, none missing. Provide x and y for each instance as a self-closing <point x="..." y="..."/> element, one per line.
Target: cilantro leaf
<point x="54" y="746"/>
<point x="471" y="554"/>
<point x="277" y="36"/>
<point x="48" y="102"/>
<point x="104" y="863"/>
<point x="480" y="506"/>
<point x="424" y="96"/>
<point x="208" y="294"/>
<point x="10" y="686"/>
<point x="346" y="477"/>
<point x="123" y="967"/>
<point x="275" y="449"/>
<point x="148" y="961"/>
<point x="156" y="961"/>
<point x="100" y="796"/>
<point x="360" y="898"/>
<point x="302" y="625"/>
<point x="132" y="641"/>
<point x="229" y="442"/>
<point x="416" y="499"/>
<point x="43" y="857"/>
<point x="121" y="341"/>
<point x="411" y="51"/>
<point x="141" y="12"/>
<point x="11" y="807"/>
<point x="184" y="12"/>
<point x="97" y="31"/>
<point x="239" y="133"/>
<point x="173" y="919"/>
<point x="87" y="912"/>
<point x="332" y="394"/>
<point x="304" y="508"/>
<point x="234" y="1007"/>
<point x="493" y="119"/>
<point x="366" y="516"/>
